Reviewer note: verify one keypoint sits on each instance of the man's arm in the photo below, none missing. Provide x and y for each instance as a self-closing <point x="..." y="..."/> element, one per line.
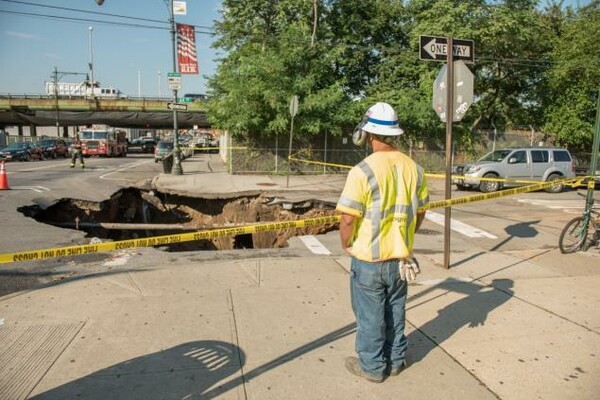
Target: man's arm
<point x="346" y="231"/>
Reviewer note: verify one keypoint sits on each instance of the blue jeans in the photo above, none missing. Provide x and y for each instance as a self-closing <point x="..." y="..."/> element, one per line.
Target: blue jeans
<point x="378" y="301"/>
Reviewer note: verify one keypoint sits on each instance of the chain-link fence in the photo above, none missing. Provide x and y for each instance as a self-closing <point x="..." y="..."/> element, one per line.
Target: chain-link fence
<point x="317" y="161"/>
<point x="337" y="154"/>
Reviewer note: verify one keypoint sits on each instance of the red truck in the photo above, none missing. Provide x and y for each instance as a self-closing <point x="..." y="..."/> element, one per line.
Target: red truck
<point x="103" y="142"/>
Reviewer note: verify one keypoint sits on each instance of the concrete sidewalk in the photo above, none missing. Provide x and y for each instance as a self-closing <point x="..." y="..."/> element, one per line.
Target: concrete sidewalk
<point x="268" y="327"/>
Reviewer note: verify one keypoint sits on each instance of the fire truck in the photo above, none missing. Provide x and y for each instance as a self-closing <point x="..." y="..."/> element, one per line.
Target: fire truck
<point x="103" y="142"/>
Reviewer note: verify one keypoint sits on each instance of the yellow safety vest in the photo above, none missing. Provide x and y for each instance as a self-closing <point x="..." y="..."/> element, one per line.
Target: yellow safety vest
<point x="384" y="191"/>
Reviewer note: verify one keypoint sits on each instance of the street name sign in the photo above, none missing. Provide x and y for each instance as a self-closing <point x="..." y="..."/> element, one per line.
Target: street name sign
<point x="174" y="79"/>
<point x="176" y="106"/>
<point x="435" y="48"/>
<point x="463" y="91"/>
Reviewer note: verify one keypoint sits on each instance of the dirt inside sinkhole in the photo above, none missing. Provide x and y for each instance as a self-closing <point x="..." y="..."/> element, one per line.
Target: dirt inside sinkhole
<point x="138" y="207"/>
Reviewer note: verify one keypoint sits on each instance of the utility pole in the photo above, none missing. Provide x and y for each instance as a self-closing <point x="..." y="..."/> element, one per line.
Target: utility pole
<point x="56" y="77"/>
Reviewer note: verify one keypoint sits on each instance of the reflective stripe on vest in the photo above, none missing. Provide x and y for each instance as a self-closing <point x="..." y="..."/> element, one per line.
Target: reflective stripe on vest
<point x="376" y="215"/>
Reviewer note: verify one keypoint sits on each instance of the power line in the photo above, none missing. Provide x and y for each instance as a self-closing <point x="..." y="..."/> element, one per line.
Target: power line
<point x="202" y="27"/>
<point x="127" y="24"/>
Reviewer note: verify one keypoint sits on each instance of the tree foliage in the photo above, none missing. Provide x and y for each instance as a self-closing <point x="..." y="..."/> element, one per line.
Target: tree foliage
<point x="533" y="67"/>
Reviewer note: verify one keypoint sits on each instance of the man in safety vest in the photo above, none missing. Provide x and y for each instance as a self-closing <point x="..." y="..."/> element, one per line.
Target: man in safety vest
<point x="382" y="205"/>
<point x="77" y="151"/>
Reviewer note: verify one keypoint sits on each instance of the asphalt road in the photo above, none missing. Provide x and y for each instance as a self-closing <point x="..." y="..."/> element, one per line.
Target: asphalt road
<point x="43" y="183"/>
<point x="527" y="225"/>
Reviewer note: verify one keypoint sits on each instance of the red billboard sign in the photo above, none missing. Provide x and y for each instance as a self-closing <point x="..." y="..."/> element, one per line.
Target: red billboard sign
<point x="186" y="49"/>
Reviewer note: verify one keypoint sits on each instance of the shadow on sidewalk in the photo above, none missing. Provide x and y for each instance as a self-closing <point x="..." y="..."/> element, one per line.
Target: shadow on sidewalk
<point x="191" y="370"/>
<point x="471" y="311"/>
<point x="182" y="372"/>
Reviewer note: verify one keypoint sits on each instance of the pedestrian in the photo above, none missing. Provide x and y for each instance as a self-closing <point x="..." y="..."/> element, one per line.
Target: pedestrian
<point x="77" y="151"/>
<point x="382" y="206"/>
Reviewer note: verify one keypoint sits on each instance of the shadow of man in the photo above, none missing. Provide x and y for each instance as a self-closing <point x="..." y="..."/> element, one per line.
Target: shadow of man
<point x="186" y="371"/>
<point x="471" y="311"/>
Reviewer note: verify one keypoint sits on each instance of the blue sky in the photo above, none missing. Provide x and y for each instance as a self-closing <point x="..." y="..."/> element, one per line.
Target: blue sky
<point x="32" y="46"/>
<point x="125" y="57"/>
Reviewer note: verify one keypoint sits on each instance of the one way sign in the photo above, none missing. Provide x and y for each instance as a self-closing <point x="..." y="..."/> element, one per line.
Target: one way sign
<point x="177" y="106"/>
<point x="435" y="48"/>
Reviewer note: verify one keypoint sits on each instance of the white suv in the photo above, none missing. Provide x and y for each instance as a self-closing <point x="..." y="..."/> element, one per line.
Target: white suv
<point x="536" y="163"/>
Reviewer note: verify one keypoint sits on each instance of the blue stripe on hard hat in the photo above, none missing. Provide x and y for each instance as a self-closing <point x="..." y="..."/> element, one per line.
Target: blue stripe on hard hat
<point x="381" y="122"/>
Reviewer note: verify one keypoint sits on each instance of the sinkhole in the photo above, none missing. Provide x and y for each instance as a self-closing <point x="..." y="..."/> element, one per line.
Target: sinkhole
<point x="134" y="213"/>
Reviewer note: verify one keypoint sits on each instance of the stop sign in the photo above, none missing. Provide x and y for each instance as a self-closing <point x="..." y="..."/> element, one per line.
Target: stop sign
<point x="463" y="91"/>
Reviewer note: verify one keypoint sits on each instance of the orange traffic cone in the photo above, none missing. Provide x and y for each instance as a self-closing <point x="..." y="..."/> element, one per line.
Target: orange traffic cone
<point x="3" y="178"/>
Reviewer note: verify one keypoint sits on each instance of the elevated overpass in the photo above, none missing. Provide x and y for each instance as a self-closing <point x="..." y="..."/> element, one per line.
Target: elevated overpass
<point x="26" y="110"/>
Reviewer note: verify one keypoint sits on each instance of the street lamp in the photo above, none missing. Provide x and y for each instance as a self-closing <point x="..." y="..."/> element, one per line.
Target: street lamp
<point x="159" y="92"/>
<point x="177" y="169"/>
<point x="91" y="63"/>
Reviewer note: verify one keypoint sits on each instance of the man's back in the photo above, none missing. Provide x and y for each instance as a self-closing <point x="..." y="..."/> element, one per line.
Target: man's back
<point x="389" y="187"/>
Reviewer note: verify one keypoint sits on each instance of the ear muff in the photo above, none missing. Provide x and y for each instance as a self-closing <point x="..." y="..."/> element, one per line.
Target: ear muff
<point x="359" y="137"/>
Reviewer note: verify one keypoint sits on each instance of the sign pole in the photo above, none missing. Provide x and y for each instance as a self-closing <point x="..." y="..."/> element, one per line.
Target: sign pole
<point x="594" y="161"/>
<point x="449" y="119"/>
<point x="293" y="112"/>
<point x="176" y="169"/>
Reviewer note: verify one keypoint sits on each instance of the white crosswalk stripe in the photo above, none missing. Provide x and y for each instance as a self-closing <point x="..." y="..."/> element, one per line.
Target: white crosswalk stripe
<point x="566" y="205"/>
<point x="460" y="227"/>
<point x="313" y="244"/>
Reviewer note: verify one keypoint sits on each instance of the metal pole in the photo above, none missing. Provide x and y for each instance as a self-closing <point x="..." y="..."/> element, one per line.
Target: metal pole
<point x="177" y="169"/>
<point x="449" y="119"/>
<point x="92" y="62"/>
<point x="494" y="142"/>
<point x="56" y="98"/>
<point x="287" y="184"/>
<point x="325" y="155"/>
<point x="594" y="161"/>
<point x="159" y="93"/>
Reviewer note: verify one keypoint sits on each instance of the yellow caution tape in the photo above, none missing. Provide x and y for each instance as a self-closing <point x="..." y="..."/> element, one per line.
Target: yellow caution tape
<point x="43" y="254"/>
<point x="213" y="148"/>
<point x="503" y="193"/>
<point x="429" y="175"/>
<point x="474" y="178"/>
<point x="320" y="163"/>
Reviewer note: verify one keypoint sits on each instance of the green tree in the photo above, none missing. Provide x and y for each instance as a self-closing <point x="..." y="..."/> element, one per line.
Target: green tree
<point x="271" y="57"/>
<point x="574" y="79"/>
<point x="532" y="65"/>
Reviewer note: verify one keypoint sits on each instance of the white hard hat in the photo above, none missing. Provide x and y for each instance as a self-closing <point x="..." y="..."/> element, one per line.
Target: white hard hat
<point x="381" y="119"/>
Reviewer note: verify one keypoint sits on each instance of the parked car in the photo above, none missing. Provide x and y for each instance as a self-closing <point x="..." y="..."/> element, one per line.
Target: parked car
<point x="141" y="145"/>
<point x="534" y="164"/>
<point x="24" y="151"/>
<point x="205" y="143"/>
<point x="54" y="148"/>
<point x="581" y="164"/>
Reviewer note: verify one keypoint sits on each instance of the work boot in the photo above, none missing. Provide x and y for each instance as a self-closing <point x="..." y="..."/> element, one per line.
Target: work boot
<point x="393" y="371"/>
<point x="353" y="366"/>
<point x="82" y="165"/>
<point x="72" y="165"/>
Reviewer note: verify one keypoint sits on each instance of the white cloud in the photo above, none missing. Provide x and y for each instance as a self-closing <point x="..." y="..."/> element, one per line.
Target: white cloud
<point x="22" y="35"/>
